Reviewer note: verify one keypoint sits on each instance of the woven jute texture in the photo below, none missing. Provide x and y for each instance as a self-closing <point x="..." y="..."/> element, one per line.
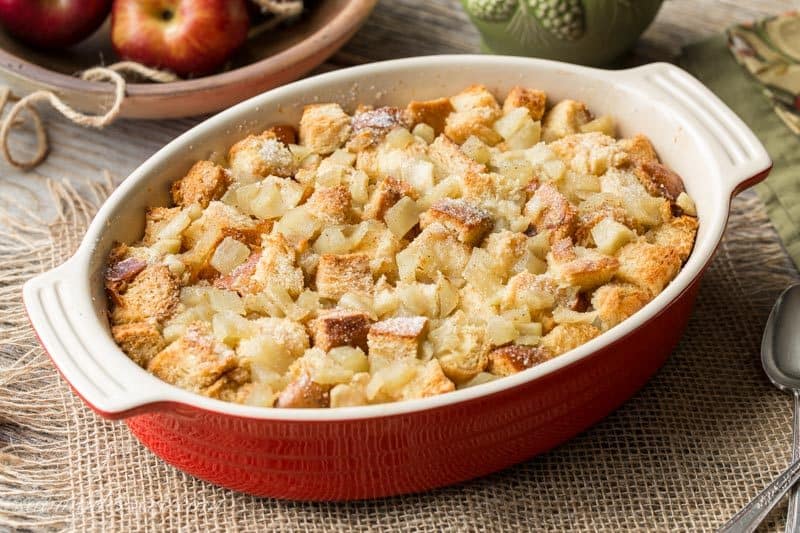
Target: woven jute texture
<point x="684" y="454"/>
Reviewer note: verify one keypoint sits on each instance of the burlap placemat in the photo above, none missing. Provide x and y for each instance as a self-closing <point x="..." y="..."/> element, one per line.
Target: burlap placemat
<point x="688" y="451"/>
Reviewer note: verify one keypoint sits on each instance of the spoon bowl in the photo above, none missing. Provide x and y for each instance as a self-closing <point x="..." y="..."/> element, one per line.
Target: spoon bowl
<point x="780" y="346"/>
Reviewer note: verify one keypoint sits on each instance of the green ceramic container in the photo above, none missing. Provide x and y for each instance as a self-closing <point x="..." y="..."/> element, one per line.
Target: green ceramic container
<point x="589" y="32"/>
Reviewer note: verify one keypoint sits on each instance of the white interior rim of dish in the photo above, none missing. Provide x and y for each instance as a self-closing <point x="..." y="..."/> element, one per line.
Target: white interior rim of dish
<point x="162" y="392"/>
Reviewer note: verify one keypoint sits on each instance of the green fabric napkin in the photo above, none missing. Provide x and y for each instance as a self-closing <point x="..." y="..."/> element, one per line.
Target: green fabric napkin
<point x="713" y="64"/>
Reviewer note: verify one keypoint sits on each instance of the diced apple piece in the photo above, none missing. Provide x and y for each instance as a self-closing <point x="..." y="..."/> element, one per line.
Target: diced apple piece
<point x="603" y="124"/>
<point x="229" y="254"/>
<point x="525" y="137"/>
<point x="476" y="149"/>
<point x="402" y="216"/>
<point x="685" y="202"/>
<point x="500" y="330"/>
<point x="424" y="132"/>
<point x="512" y="122"/>
<point x="609" y="235"/>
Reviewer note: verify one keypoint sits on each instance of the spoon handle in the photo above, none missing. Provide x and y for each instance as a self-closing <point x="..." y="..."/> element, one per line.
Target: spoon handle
<point x="793" y="516"/>
<point x="751" y="515"/>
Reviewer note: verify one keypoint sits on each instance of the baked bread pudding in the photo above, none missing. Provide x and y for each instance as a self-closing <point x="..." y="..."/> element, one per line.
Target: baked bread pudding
<point x="396" y="253"/>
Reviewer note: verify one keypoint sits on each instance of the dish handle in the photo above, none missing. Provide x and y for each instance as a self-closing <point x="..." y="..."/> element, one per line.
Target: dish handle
<point x="742" y="159"/>
<point x="81" y="349"/>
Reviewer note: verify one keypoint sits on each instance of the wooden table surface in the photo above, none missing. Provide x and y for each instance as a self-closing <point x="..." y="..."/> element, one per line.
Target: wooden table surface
<point x="397" y="28"/>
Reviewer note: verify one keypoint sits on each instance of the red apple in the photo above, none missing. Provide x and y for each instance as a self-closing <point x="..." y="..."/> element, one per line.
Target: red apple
<point x="188" y="37"/>
<point x="53" y="23"/>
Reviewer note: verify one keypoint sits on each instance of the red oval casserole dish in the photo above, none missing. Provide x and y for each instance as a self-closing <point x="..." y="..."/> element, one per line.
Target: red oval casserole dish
<point x="381" y="450"/>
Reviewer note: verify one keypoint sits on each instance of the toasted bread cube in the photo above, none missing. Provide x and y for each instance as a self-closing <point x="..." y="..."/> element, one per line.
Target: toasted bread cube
<point x="530" y="291"/>
<point x="339" y="274"/>
<point x="435" y="250"/>
<point x="514" y="358"/>
<point x="468" y="355"/>
<point x="387" y="193"/>
<point x="152" y="294"/>
<point x="532" y="99"/>
<point x="476" y="109"/>
<point x="324" y="128"/>
<point x="615" y="302"/>
<point x="196" y="361"/>
<point x="430" y="112"/>
<point x="218" y="221"/>
<point x="588" y="153"/>
<point x="370" y="126"/>
<point x="566" y="337"/>
<point x="660" y="180"/>
<point x="429" y="381"/>
<point x="332" y="205"/>
<point x="204" y="182"/>
<point x="648" y="266"/>
<point x="678" y="234"/>
<point x="448" y="159"/>
<point x="341" y="328"/>
<point x="474" y="97"/>
<point x="141" y="341"/>
<point x="639" y="149"/>
<point x="507" y="248"/>
<point x="467" y="221"/>
<point x="580" y="267"/>
<point x="565" y="118"/>
<point x="304" y="393"/>
<point x="156" y="218"/>
<point x="397" y="338"/>
<point x="277" y="265"/>
<point x="257" y="156"/>
<point x="548" y="209"/>
<point x="460" y="126"/>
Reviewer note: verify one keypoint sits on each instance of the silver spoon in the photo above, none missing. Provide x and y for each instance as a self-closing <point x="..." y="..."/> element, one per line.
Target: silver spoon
<point x="780" y="357"/>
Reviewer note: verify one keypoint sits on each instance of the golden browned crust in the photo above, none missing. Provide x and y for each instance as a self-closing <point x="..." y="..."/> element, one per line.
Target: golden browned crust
<point x="341" y="328"/>
<point x="431" y="112"/>
<point x="467" y="221"/>
<point x="430" y="381"/>
<point x="259" y="156"/>
<point x="584" y="268"/>
<point x="387" y="193"/>
<point x="448" y="158"/>
<point x="615" y="302"/>
<point x="396" y="338"/>
<point x="196" y="361"/>
<point x="141" y="341"/>
<point x="507" y="360"/>
<point x="648" y="266"/>
<point x="639" y="149"/>
<point x="678" y="234"/>
<point x="476" y="109"/>
<point x="304" y="393"/>
<point x="332" y="205"/>
<point x="548" y="209"/>
<point x="324" y="127"/>
<point x="204" y="182"/>
<point x="151" y="295"/>
<point x="340" y="274"/>
<point x="659" y="180"/>
<point x="532" y="99"/>
<point x="566" y="337"/>
<point x="277" y="265"/>
<point x="370" y="126"/>
<point x="565" y="118"/>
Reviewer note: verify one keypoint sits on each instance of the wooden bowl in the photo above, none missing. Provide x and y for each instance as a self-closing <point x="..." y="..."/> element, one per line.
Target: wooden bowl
<point x="266" y="61"/>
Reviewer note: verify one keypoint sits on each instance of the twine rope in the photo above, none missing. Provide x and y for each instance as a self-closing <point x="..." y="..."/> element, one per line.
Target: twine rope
<point x="110" y="73"/>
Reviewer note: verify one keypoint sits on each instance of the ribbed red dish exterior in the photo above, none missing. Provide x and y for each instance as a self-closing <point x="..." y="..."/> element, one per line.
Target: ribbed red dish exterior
<point x="374" y="457"/>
